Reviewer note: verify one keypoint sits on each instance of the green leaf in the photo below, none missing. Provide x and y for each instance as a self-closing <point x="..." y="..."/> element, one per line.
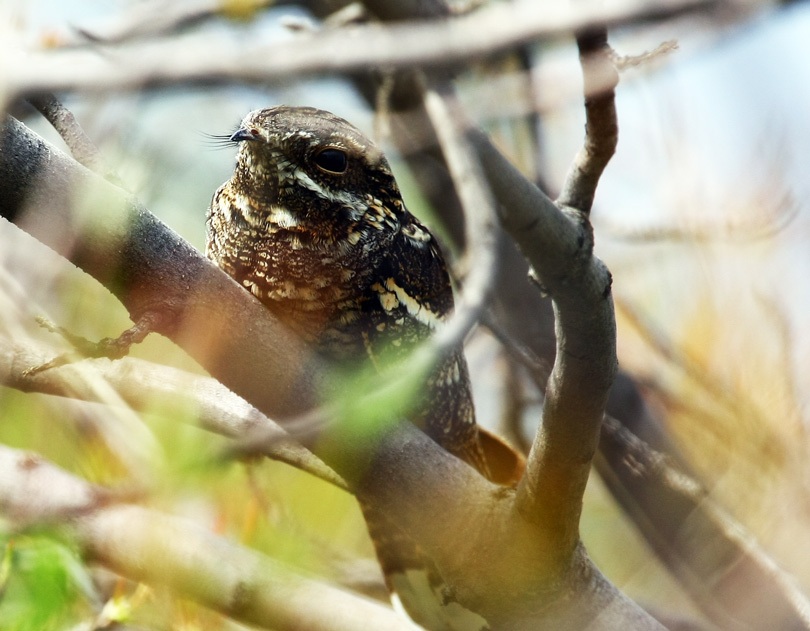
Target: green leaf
<point x="44" y="584"/>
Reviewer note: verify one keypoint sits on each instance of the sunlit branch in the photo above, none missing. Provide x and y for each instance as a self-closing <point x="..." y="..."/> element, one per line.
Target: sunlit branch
<point x="601" y="125"/>
<point x="148" y="546"/>
<point x="140" y="384"/>
<point x="211" y="56"/>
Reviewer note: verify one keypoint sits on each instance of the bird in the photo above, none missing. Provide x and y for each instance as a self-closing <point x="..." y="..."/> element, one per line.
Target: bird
<point x="313" y="224"/>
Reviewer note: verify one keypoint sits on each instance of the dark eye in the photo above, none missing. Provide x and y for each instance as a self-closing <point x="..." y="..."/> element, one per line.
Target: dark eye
<point x="332" y="160"/>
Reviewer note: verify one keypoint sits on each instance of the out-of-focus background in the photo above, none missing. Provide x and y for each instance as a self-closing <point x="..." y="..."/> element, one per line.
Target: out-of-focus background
<point x="702" y="217"/>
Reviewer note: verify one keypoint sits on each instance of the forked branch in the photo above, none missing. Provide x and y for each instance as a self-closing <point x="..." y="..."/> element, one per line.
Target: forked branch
<point x="557" y="240"/>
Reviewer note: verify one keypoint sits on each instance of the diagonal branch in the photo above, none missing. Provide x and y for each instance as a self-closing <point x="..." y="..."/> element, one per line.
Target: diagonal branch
<point x="479" y="206"/>
<point x="559" y="247"/>
<point x="140" y="383"/>
<point x="145" y="545"/>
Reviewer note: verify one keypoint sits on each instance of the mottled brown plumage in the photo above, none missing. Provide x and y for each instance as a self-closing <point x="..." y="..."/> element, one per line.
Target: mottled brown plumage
<point x="335" y="254"/>
<point x="313" y="224"/>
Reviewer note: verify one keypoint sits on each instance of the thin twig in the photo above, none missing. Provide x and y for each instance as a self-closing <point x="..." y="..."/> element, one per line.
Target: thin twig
<point x="481" y="222"/>
<point x="140" y="383"/>
<point x="61" y="118"/>
<point x="109" y="347"/>
<point x="601" y="126"/>
<point x="623" y="62"/>
<point x="538" y="368"/>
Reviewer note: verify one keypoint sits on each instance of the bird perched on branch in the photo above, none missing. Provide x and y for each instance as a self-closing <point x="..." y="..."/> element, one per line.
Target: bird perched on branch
<point x="313" y="224"/>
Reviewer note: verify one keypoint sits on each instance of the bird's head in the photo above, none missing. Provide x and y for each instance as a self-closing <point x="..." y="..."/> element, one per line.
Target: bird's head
<point x="314" y="164"/>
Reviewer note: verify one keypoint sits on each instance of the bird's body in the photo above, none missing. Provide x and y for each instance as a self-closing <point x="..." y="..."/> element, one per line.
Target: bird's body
<point x="313" y="224"/>
<point x="337" y="257"/>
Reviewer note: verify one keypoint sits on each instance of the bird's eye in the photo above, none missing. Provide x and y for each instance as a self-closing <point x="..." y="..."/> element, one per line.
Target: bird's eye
<point x="331" y="160"/>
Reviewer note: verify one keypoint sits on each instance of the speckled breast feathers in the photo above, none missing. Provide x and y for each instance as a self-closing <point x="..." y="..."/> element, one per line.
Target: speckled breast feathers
<point x="313" y="224"/>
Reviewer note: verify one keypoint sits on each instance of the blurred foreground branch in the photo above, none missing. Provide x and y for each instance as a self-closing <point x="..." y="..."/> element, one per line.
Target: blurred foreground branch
<point x="211" y="56"/>
<point x="140" y="384"/>
<point x="145" y="545"/>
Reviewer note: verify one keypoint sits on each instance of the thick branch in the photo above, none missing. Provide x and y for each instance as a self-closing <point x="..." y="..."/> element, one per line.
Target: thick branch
<point x="150" y="268"/>
<point x="558" y="246"/>
<point x="504" y="566"/>
<point x="205" y="401"/>
<point x="213" y="56"/>
<point x="585" y="325"/>
<point x="147" y="546"/>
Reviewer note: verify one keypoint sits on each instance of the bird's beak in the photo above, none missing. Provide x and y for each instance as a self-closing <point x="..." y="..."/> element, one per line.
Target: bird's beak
<point x="243" y="134"/>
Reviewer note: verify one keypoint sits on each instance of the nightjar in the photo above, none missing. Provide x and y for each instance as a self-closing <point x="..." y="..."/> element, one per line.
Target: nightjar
<point x="313" y="224"/>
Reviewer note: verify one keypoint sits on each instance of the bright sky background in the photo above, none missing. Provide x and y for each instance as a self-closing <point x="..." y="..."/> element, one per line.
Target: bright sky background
<point x="703" y="137"/>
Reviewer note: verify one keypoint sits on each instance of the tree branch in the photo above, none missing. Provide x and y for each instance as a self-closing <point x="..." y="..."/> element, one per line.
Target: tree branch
<point x="147" y="546"/>
<point x="585" y="364"/>
<point x="139" y="384"/>
<point x="601" y="126"/>
<point x="81" y="147"/>
<point x="513" y="572"/>
<point x="210" y="56"/>
<point x="479" y="208"/>
<point x="558" y="246"/>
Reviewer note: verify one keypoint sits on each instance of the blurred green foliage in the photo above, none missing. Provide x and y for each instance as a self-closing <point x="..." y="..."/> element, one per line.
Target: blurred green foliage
<point x="43" y="583"/>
